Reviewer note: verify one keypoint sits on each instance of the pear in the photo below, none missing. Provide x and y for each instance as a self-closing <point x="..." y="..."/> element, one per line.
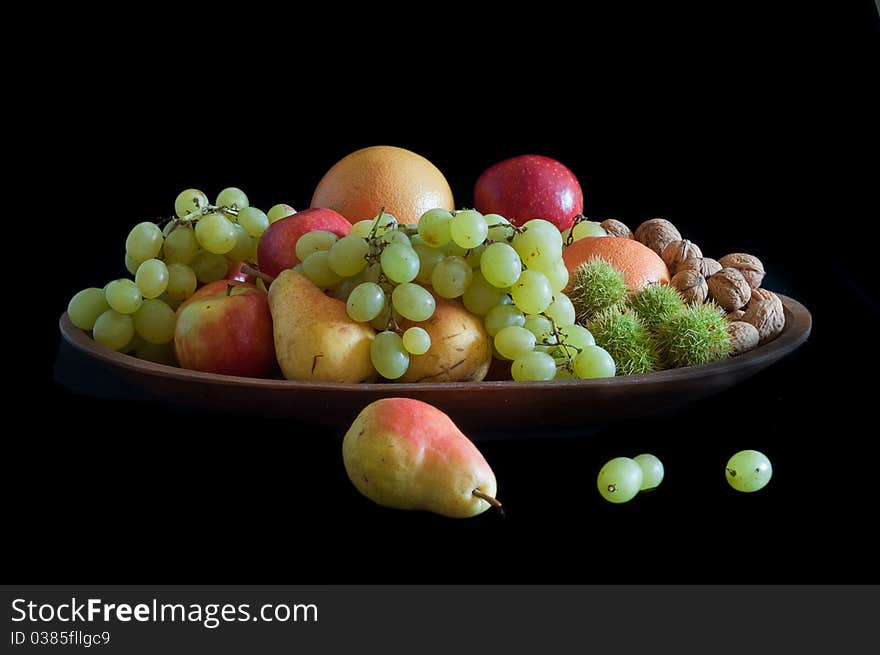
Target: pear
<point x="407" y="454"/>
<point x="315" y="339"/>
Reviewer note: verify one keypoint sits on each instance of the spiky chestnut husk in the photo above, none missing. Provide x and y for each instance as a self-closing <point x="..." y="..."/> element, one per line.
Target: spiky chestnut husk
<point x="630" y="344"/>
<point x="655" y="303"/>
<point x="596" y="285"/>
<point x="697" y="335"/>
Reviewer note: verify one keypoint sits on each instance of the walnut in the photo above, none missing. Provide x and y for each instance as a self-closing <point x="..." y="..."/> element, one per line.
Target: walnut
<point x="743" y="337"/>
<point x="657" y="233"/>
<point x="705" y="266"/>
<point x="735" y="315"/>
<point x="729" y="289"/>
<point x="615" y="228"/>
<point x="766" y="313"/>
<point x="678" y="251"/>
<point x="691" y="285"/>
<point x="749" y="265"/>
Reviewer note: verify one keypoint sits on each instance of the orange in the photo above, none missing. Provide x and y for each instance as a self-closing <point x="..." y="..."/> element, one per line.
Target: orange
<point x="404" y="183"/>
<point x="639" y="264"/>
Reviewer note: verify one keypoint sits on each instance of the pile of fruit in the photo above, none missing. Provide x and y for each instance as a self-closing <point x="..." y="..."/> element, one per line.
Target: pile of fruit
<point x="418" y="291"/>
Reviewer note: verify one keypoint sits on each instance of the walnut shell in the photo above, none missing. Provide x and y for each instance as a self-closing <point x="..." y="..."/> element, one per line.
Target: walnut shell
<point x="705" y="266"/>
<point x="749" y="265"/>
<point x="766" y="313"/>
<point x="657" y="233"/>
<point x="735" y="315"/>
<point x="729" y="289"/>
<point x="743" y="337"/>
<point x="615" y="228"/>
<point x="691" y="285"/>
<point x="678" y="251"/>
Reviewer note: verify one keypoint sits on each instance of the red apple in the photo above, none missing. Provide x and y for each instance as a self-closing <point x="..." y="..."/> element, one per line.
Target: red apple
<point x="225" y="327"/>
<point x="527" y="187"/>
<point x="277" y="248"/>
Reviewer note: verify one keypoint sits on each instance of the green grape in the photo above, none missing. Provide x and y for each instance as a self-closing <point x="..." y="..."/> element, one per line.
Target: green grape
<point x="475" y="255"/>
<point x="314" y="241"/>
<point x="513" y="341"/>
<point x="468" y="228"/>
<point x="586" y="229"/>
<point x="748" y="471"/>
<point x="500" y="228"/>
<point x="277" y="212"/>
<point x="362" y="228"/>
<point x="160" y="353"/>
<point x="254" y="221"/>
<point x="155" y="321"/>
<point x="113" y="329"/>
<point x="619" y="480"/>
<point x="435" y="227"/>
<point x="577" y="336"/>
<point x="316" y="267"/>
<point x="181" y="245"/>
<point x="502" y="316"/>
<point x="533" y="367"/>
<point x="366" y="302"/>
<point x="400" y="263"/>
<point x="348" y="255"/>
<point x="182" y="282"/>
<point x="541" y="327"/>
<point x="244" y="247"/>
<point x="416" y="240"/>
<point x="388" y="355"/>
<point x="452" y="249"/>
<point x="209" y="267"/>
<point x="189" y="201"/>
<point x="123" y="296"/>
<point x="413" y="302"/>
<point x="428" y="258"/>
<point x="86" y="306"/>
<point x="343" y="290"/>
<point x="500" y="265"/>
<point x="558" y="276"/>
<point x="144" y="242"/>
<point x="215" y="233"/>
<point x="480" y="296"/>
<point x="232" y="197"/>
<point x="532" y="292"/>
<point x="451" y="277"/>
<point x="537" y="249"/>
<point x="546" y="228"/>
<point x="373" y="272"/>
<point x="173" y="303"/>
<point x="131" y="265"/>
<point x="594" y="362"/>
<point x="652" y="470"/>
<point x="416" y="340"/>
<point x="168" y="228"/>
<point x="396" y="236"/>
<point x="382" y="318"/>
<point x="152" y="278"/>
<point x="561" y="310"/>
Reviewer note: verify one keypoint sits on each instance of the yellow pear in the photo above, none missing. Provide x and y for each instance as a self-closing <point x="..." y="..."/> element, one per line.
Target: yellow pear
<point x="315" y="340"/>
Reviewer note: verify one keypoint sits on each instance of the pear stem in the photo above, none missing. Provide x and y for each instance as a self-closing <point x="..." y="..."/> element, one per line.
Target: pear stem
<point x="492" y="501"/>
<point x="247" y="269"/>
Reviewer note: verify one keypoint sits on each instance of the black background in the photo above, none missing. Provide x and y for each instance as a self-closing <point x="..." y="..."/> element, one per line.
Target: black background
<point x="753" y="130"/>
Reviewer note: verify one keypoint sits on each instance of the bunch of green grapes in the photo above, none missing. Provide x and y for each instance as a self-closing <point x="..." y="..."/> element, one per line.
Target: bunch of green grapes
<point x="512" y="277"/>
<point x="197" y="246"/>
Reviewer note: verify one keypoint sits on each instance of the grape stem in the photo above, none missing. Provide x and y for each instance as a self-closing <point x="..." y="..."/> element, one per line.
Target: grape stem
<point x="250" y="269"/>
<point x="492" y="501"/>
<point x="194" y="216"/>
<point x="570" y="238"/>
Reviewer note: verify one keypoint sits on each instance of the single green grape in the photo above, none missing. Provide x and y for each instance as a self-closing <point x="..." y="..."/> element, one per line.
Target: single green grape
<point x="86" y="306"/>
<point x="189" y="201"/>
<point x="215" y="233"/>
<point x="533" y="367"/>
<point x="435" y="227"/>
<point x="561" y="310"/>
<point x="452" y="249"/>
<point x="451" y="277"/>
<point x="500" y="228"/>
<point x="123" y="296"/>
<point x="182" y="282"/>
<point x="362" y="228"/>
<point x="210" y="267"/>
<point x="254" y="221"/>
<point x="480" y="296"/>
<point x="343" y="290"/>
<point x="316" y="267"/>
<point x="541" y="327"/>
<point x="585" y="229"/>
<point x="396" y="236"/>
<point x="277" y="212"/>
<point x="652" y="470"/>
<point x="558" y="276"/>
<point x="389" y="355"/>
<point x="383" y="318"/>
<point x="130" y="264"/>
<point x="500" y="265"/>
<point x="468" y="228"/>
<point x="152" y="278"/>
<point x="502" y="316"/>
<point x="245" y="245"/>
<point x="594" y="362"/>
<point x="373" y="272"/>
<point x="400" y="263"/>
<point x="348" y="255"/>
<point x="413" y="302"/>
<point x="417" y="341"/>
<point x="513" y="341"/>
<point x="537" y="249"/>
<point x="619" y="480"/>
<point x="428" y="258"/>
<point x="532" y="292"/>
<point x="155" y="321"/>
<point x="314" y="241"/>
<point x="366" y="302"/>
<point x="748" y="471"/>
<point x="549" y="231"/>
<point x="181" y="245"/>
<point x="232" y="197"/>
<point x="577" y="336"/>
<point x="113" y="330"/>
<point x="144" y="242"/>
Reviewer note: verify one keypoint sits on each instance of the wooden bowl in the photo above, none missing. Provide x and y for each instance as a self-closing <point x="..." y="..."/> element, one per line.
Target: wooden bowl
<point x="474" y="405"/>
